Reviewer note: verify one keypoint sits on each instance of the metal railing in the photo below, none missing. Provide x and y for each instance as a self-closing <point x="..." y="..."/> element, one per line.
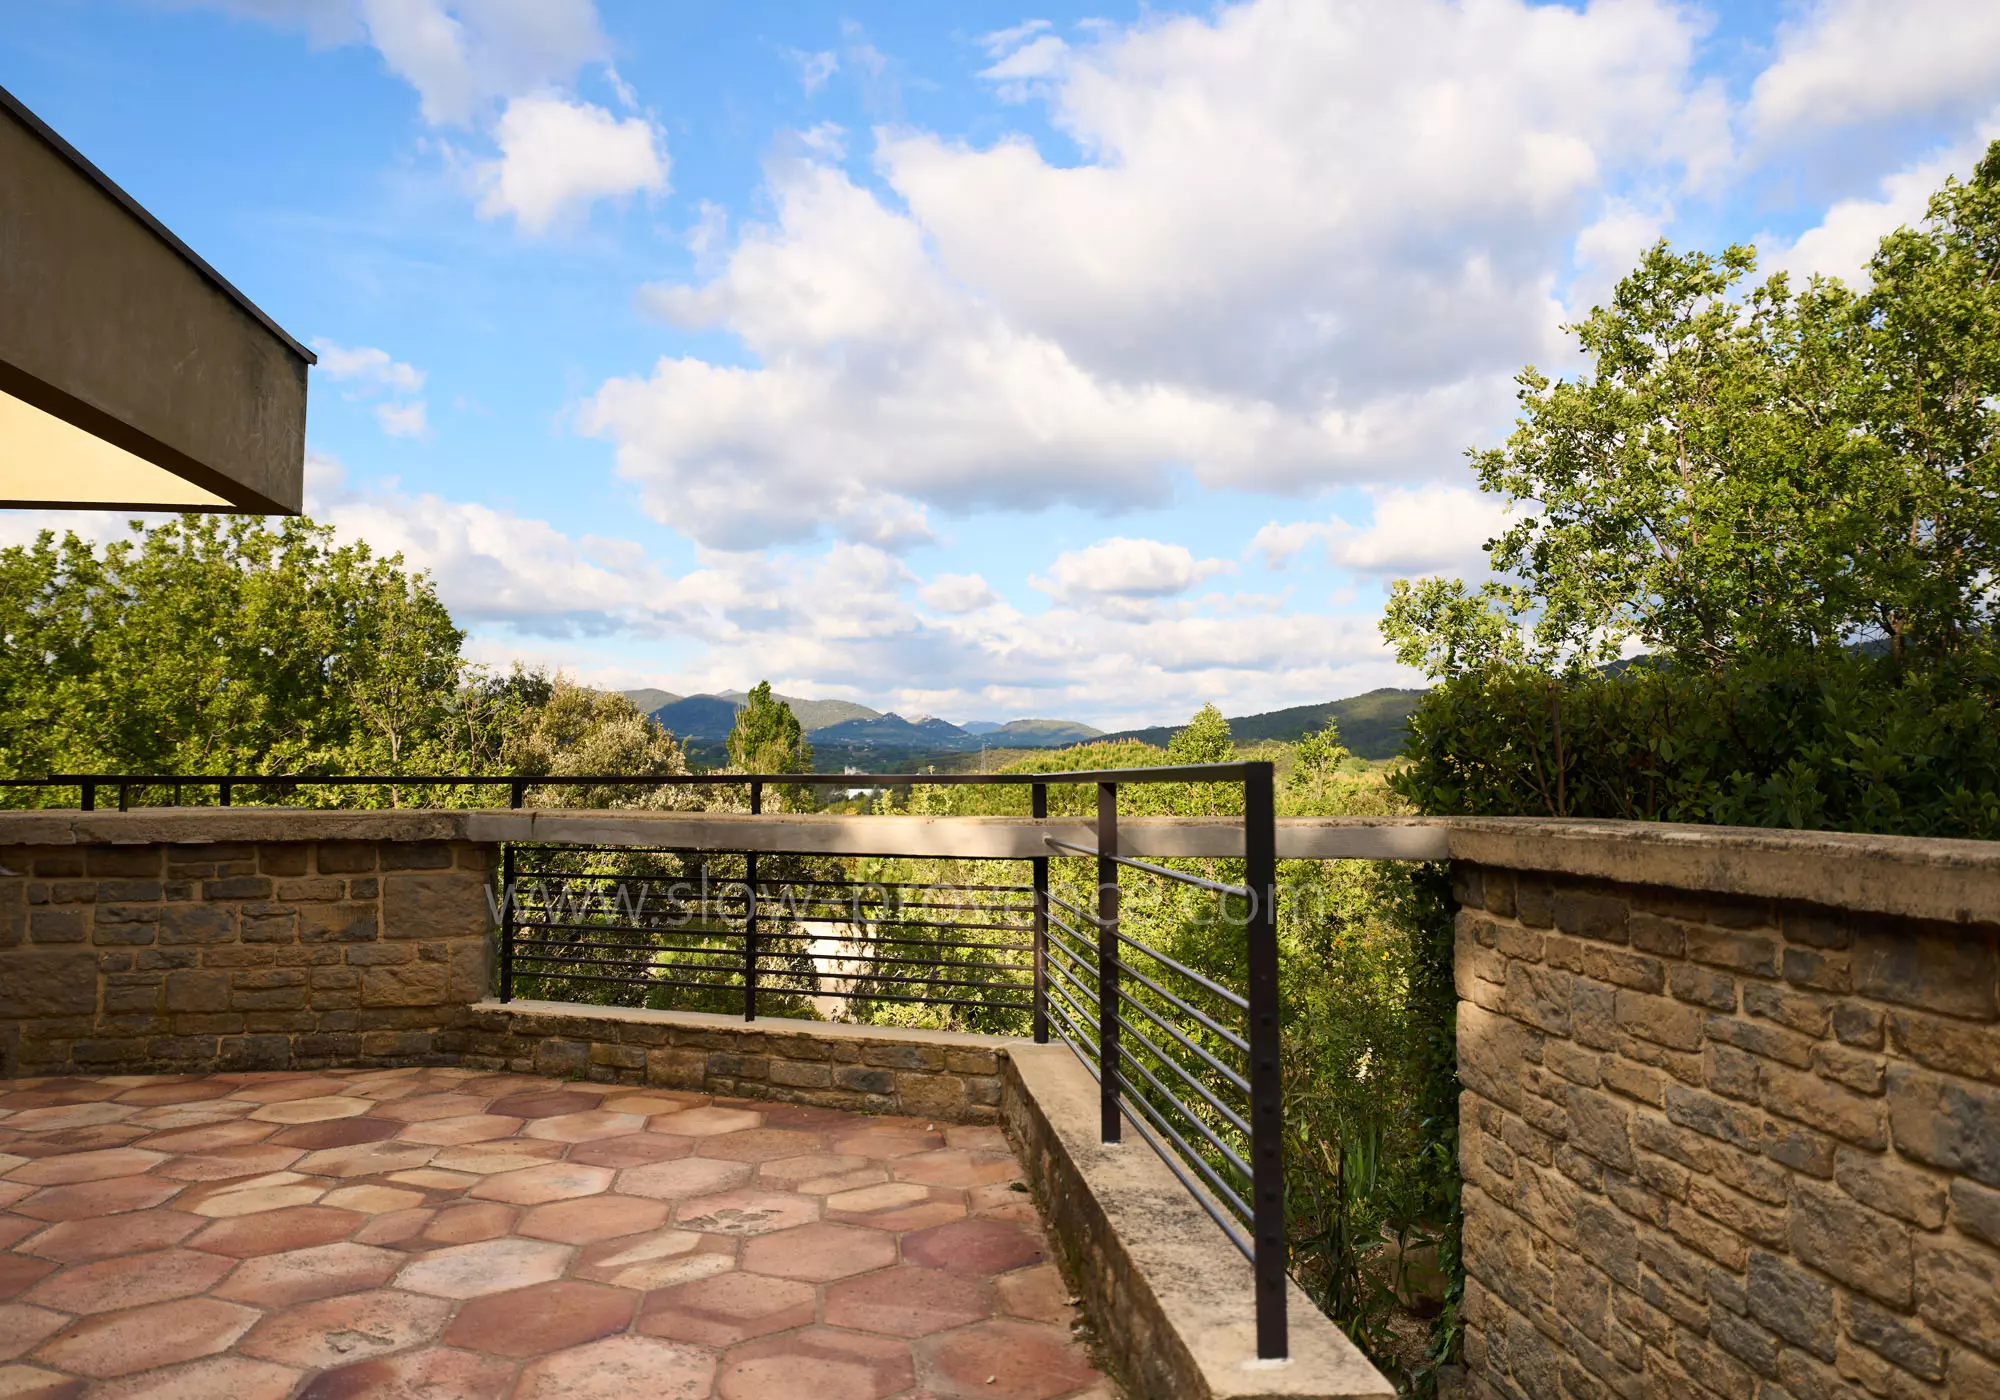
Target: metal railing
<point x="1190" y="1062"/>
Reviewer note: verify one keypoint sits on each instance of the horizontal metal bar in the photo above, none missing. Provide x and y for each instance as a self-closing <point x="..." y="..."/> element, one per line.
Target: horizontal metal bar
<point x="1241" y="1083"/>
<point x="765" y="985"/>
<point x="1238" y="890"/>
<point x="631" y="981"/>
<point x="1076" y="1018"/>
<point x="618" y="962"/>
<point x="920" y="981"/>
<point x="1208" y="1134"/>
<point x="1183" y="773"/>
<point x="1231" y="1228"/>
<point x="780" y="882"/>
<point x="1077" y="910"/>
<point x="1231" y="997"/>
<point x="1206" y="1022"/>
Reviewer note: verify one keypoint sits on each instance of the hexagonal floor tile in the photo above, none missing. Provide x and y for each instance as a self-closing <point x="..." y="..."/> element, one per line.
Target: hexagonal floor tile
<point x="206" y="1138"/>
<point x="957" y="1168"/>
<point x="746" y="1212"/>
<point x="371" y="1198"/>
<point x="104" y="1163"/>
<point x="352" y="1327"/>
<point x="490" y="1266"/>
<point x="22" y="1327"/>
<point x="274" y="1232"/>
<point x="544" y="1318"/>
<point x="238" y="1377"/>
<point x="633" y="1150"/>
<point x="470" y="1223"/>
<point x="882" y="1144"/>
<point x="711" y="1121"/>
<point x="819" y="1253"/>
<point x="302" y="1275"/>
<point x="114" y="1196"/>
<point x="823" y="1364"/>
<point x="119" y="1343"/>
<point x="428" y="1373"/>
<point x="585" y="1127"/>
<point x="428" y="1107"/>
<point x="456" y="1132"/>
<point x="80" y="1241"/>
<point x="974" y="1247"/>
<point x="654" y="1102"/>
<point x="336" y="1132"/>
<point x="492" y="1158"/>
<point x="545" y="1105"/>
<point x="727" y="1309"/>
<point x="551" y="1181"/>
<point x="657" y="1260"/>
<point x="18" y="1273"/>
<point x="1038" y="1294"/>
<point x="1008" y="1360"/>
<point x="792" y="1173"/>
<point x="311" y="1110"/>
<point x="618" y="1368"/>
<point x="908" y="1302"/>
<point x="227" y="1163"/>
<point x="593" y="1218"/>
<point x="761" y="1145"/>
<point x="368" y="1158"/>
<point x="129" y="1281"/>
<point x="687" y="1176"/>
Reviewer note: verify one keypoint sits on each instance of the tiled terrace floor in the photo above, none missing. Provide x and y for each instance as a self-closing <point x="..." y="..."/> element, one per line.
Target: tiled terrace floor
<point x="443" y="1233"/>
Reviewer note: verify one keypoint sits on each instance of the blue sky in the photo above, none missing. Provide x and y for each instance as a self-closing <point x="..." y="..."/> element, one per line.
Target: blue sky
<point x="984" y="360"/>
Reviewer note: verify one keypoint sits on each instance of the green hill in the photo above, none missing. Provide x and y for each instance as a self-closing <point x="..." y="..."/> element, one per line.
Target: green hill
<point x="1372" y="725"/>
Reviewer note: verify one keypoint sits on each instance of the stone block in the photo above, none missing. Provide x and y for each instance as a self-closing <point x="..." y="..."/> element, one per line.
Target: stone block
<point x="1635" y="1081"/>
<point x="1970" y="1376"/>
<point x="379" y="954"/>
<point x="1975" y="1210"/>
<point x="1947" y="1123"/>
<point x="1884" y="1182"/>
<point x="405" y="984"/>
<point x="1730" y="1072"/>
<point x="1552" y="948"/>
<point x="1895" y="1338"/>
<point x="124" y="925"/>
<point x="49" y="982"/>
<point x="802" y="1074"/>
<point x="1947" y="970"/>
<point x="1831" y="1108"/>
<point x="1703" y="986"/>
<point x="1539" y="996"/>
<point x="1952" y="1046"/>
<point x="1491" y="1050"/>
<point x="889" y="1055"/>
<point x="1714" y="1117"/>
<point x="1754" y="1220"/>
<point x="197" y="990"/>
<point x="1651" y="933"/>
<point x="1808" y="967"/>
<point x="1744" y="1340"/>
<point x="237" y="887"/>
<point x="864" y="1079"/>
<point x="1799" y="1148"/>
<point x="932" y="1095"/>
<point x="1791" y="1303"/>
<point x="1863" y="1073"/>
<point x="1534" y="901"/>
<point x="1761" y="1038"/>
<point x="1713" y="1369"/>
<point x="184" y="925"/>
<point x="1659" y="1020"/>
<point x="1582" y="914"/>
<point x="1855" y="1245"/>
<point x="315" y="889"/>
<point x="290" y="858"/>
<point x="451" y="905"/>
<point x="1857" y="1024"/>
<point x="1804" y="1012"/>
<point x="415" y="855"/>
<point x="1958" y="1291"/>
<point x="1593" y="1019"/>
<point x="972" y="1061"/>
<point x="128" y="892"/>
<point x="130" y="862"/>
<point x="58" y="925"/>
<point x="344" y="857"/>
<point x="1752" y="954"/>
<point x="1600" y="1125"/>
<point x="671" y="1067"/>
<point x="1623" y="968"/>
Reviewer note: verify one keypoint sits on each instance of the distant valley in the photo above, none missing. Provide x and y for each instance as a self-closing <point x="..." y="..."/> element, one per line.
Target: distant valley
<point x="847" y="735"/>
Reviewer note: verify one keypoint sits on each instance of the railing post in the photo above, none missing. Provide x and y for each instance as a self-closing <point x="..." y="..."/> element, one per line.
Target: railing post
<point x="225" y="792"/>
<point x="1267" y="1105"/>
<point x="124" y="796"/>
<point x="1040" y="792"/>
<point x="507" y="922"/>
<point x="517" y="793"/>
<point x="750" y="914"/>
<point x="1107" y="961"/>
<point x="88" y="801"/>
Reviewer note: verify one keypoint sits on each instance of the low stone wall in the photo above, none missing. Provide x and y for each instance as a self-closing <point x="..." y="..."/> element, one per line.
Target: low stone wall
<point x="870" y="1069"/>
<point x="1720" y="1137"/>
<point x="158" y="956"/>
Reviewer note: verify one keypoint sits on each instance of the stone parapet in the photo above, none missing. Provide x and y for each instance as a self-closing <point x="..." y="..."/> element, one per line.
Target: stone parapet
<point x="942" y="1075"/>
<point x="1731" y="1113"/>
<point x="153" y="957"/>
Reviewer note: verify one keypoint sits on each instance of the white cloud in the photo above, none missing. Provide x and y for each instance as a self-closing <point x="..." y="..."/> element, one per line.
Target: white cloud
<point x="1846" y="236"/>
<point x="1848" y="61"/>
<point x="957" y="593"/>
<point x="815" y="68"/>
<point x="368" y="365"/>
<point x="1279" y="544"/>
<point x="1430" y="529"/>
<point x="1127" y="568"/>
<point x="404" y="419"/>
<point x="557" y="155"/>
<point x="1305" y="245"/>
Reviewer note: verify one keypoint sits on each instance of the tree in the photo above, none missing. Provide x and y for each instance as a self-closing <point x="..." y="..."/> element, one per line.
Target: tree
<point x="1204" y="740"/>
<point x="1316" y="765"/>
<point x="575" y="731"/>
<point x="1742" y="476"/>
<point x="767" y="737"/>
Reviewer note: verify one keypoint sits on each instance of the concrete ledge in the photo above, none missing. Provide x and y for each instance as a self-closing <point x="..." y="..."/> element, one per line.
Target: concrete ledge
<point x="1914" y="877"/>
<point x="1172" y="1295"/>
<point x="943" y="1075"/>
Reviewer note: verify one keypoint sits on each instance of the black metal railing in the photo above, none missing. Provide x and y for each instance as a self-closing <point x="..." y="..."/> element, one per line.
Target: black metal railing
<point x="1190" y="1061"/>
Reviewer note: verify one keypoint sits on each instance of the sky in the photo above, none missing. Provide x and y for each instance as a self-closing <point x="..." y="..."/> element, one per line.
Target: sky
<point x="986" y="360"/>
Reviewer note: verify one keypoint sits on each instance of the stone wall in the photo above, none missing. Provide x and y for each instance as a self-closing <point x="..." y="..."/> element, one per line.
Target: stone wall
<point x="1719" y="1139"/>
<point x="869" y="1069"/>
<point x="161" y="957"/>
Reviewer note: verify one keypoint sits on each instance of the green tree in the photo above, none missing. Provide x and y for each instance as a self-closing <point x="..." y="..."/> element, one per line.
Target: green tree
<point x="1205" y="739"/>
<point x="1743" y="475"/>
<point x="767" y="737"/>
<point x="1316" y="765"/>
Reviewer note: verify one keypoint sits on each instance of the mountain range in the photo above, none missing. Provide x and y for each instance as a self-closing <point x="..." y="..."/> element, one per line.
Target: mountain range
<point x="845" y="734"/>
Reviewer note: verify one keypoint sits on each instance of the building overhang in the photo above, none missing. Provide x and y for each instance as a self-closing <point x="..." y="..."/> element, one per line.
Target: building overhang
<point x="133" y="376"/>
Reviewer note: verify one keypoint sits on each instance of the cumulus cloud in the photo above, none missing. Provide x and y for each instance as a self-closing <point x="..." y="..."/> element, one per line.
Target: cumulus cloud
<point x="373" y="373"/>
<point x="957" y="593"/>
<point x="1845" y="238"/>
<point x="1127" y="568"/>
<point x="557" y="156"/>
<point x="1430" y="529"/>
<point x="1848" y="61"/>
<point x="1282" y="263"/>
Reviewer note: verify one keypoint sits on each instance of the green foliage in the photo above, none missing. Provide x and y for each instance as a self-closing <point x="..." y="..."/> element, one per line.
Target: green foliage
<point x="767" y="737"/>
<point x="1745" y="476"/>
<point x="1315" y="767"/>
<point x="1835" y="741"/>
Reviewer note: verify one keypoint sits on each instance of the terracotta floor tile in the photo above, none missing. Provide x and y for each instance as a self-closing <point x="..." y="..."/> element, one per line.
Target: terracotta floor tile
<point x="336" y="1132"/>
<point x="977" y="1137"/>
<point x="791" y="1173"/>
<point x="635" y="1150"/>
<point x="819" y="1363"/>
<point x="19" y="1273"/>
<point x="593" y="1218"/>
<point x="302" y="1275"/>
<point x="956" y="1167"/>
<point x="1038" y="1294"/>
<point x="115" y="1196"/>
<point x="689" y="1176"/>
<point x="120" y="1343"/>
<point x="187" y="1115"/>
<point x="761" y="1145"/>
<point x="711" y="1121"/>
<point x="727" y="1309"/>
<point x="432" y="1179"/>
<point x="274" y="1232"/>
<point x="490" y="1266"/>
<point x="352" y="1327"/>
<point x="185" y="1091"/>
<point x="66" y="1140"/>
<point x="20" y="1382"/>
<point x="430" y="1373"/>
<point x="367" y="1159"/>
<point x="1006" y="1360"/>
<point x="593" y="1126"/>
<point x="746" y="1212"/>
<point x="80" y="1241"/>
<point x="461" y="1129"/>
<point x="619" y="1368"/>
<point x="884" y="1196"/>
<point x="23" y="1327"/>
<point x="129" y="1281"/>
<point x="545" y="1105"/>
<point x="470" y="1223"/>
<point x="397" y="1229"/>
<point x="657" y="1260"/>
<point x="819" y="1253"/>
<point x="547" y="1317"/>
<point x="287" y="1087"/>
<point x="233" y="1377"/>
<point x="310" y="1110"/>
<point x="492" y="1158"/>
<point x="224" y="1163"/>
<point x="15" y="1228"/>
<point x="805" y="1116"/>
<point x="506" y="1084"/>
<point x="12" y="1191"/>
<point x="551" y="1181"/>
<point x="254" y="1200"/>
<point x="939" y="1208"/>
<point x="78" y="1115"/>
<point x="974" y="1247"/>
<point x="373" y="1199"/>
<point x="908" y="1302"/>
<point x="423" y="1108"/>
<point x="100" y="1165"/>
<point x="208" y="1137"/>
<point x="653" y="1102"/>
<point x="887" y="1144"/>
